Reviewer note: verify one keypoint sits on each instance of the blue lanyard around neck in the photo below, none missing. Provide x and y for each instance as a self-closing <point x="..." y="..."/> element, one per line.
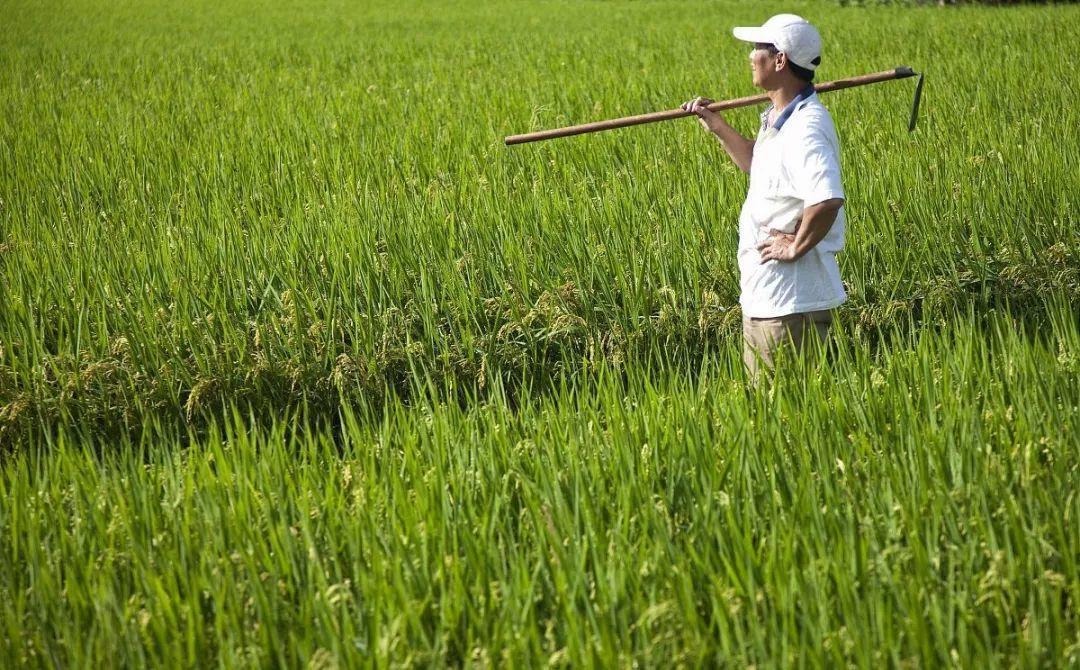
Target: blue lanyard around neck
<point x="782" y="119"/>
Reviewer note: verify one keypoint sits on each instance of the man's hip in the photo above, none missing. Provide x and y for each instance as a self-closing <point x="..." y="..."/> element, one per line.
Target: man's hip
<point x="763" y="338"/>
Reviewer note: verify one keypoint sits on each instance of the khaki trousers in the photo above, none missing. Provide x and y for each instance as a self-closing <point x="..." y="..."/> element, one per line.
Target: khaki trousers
<point x="762" y="338"/>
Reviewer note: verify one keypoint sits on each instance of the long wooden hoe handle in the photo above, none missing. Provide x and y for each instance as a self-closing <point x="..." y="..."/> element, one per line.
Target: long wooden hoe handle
<point x="897" y="73"/>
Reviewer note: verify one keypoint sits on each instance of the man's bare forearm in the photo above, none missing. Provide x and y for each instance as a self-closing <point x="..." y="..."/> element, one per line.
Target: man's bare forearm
<point x="741" y="149"/>
<point x="738" y="147"/>
<point x="816" y="222"/>
<point x="814" y="225"/>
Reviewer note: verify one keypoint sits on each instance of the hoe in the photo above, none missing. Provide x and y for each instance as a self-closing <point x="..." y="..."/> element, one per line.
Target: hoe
<point x="902" y="72"/>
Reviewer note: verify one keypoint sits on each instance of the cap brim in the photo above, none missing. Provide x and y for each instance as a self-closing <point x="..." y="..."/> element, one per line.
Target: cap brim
<point x="748" y="34"/>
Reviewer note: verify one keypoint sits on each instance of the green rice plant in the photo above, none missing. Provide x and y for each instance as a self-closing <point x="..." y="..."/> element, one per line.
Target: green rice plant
<point x="915" y="507"/>
<point x="299" y="365"/>
<point x="216" y="202"/>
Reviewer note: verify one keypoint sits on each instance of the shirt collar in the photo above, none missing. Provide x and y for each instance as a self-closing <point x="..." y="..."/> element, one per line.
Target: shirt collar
<point x="807" y="91"/>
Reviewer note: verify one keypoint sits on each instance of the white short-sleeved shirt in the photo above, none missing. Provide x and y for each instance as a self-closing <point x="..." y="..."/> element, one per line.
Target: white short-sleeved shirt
<point x="794" y="166"/>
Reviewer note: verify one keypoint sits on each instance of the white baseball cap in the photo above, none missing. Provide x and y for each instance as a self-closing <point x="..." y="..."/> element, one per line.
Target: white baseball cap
<point x="791" y="34"/>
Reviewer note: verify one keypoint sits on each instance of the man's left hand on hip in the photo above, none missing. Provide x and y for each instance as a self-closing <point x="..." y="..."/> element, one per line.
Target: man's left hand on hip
<point x="778" y="247"/>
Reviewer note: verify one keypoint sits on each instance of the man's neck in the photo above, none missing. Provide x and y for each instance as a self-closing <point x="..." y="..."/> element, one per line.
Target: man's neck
<point x="781" y="97"/>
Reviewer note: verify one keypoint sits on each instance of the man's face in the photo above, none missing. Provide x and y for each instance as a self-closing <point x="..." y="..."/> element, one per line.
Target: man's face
<point x="763" y="65"/>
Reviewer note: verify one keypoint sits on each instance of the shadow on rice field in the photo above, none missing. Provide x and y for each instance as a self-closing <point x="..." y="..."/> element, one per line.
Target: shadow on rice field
<point x="545" y="356"/>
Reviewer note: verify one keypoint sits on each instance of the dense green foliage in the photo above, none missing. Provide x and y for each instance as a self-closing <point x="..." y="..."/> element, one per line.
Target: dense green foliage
<point x="918" y="509"/>
<point x="280" y="207"/>
<point x="300" y="364"/>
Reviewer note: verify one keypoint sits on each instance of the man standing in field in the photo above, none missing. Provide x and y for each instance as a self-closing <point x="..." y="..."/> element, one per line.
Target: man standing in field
<point x="792" y="222"/>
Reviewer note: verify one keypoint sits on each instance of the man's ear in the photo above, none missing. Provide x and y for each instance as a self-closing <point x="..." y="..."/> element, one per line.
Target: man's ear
<point x="781" y="61"/>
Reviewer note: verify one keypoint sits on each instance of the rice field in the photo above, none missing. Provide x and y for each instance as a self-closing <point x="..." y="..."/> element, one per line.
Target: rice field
<point x="301" y="367"/>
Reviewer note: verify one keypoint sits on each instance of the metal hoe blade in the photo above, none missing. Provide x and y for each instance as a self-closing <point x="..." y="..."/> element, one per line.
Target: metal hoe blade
<point x="915" y="104"/>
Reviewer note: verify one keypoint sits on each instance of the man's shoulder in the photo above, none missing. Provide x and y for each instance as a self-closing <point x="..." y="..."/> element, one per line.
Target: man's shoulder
<point x="811" y="112"/>
<point x="812" y="117"/>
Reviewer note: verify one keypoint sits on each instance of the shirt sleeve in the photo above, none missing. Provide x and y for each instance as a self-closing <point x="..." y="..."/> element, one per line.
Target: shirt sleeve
<point x="813" y="168"/>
